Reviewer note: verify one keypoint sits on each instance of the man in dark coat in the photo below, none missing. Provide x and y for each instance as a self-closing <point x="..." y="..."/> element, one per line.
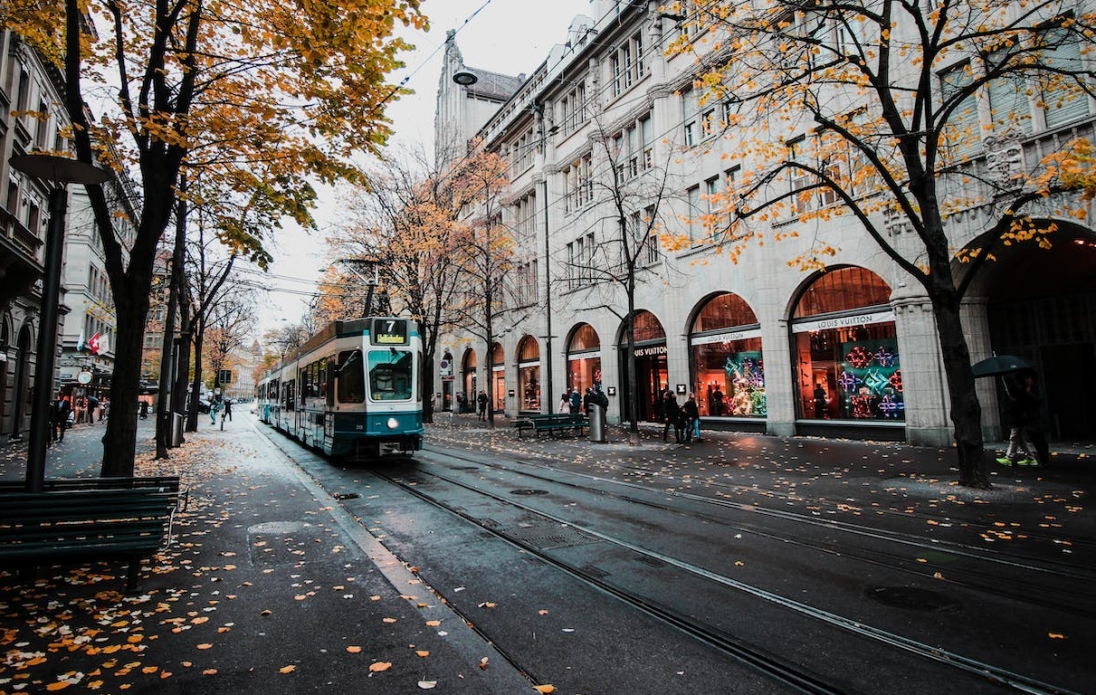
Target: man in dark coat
<point x="671" y="415"/>
<point x="59" y="413"/>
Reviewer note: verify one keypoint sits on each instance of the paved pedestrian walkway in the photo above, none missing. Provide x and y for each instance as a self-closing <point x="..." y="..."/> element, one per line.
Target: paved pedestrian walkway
<point x="271" y="587"/>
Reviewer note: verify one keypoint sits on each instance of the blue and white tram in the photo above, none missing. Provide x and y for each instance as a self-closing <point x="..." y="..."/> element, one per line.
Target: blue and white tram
<point x="353" y="389"/>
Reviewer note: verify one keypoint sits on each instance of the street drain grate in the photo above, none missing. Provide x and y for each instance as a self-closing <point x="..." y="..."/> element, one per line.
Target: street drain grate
<point x="548" y="537"/>
<point x="528" y="491"/>
<point x="346" y="495"/>
<point x="913" y="598"/>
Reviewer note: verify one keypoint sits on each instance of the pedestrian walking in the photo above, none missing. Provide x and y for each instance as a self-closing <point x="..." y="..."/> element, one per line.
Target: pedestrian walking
<point x="671" y="415"/>
<point x="1034" y="428"/>
<point x="104" y="410"/>
<point x="692" y="418"/>
<point x="228" y="410"/>
<point x="1017" y="415"/>
<point x="481" y="400"/>
<point x="564" y="404"/>
<point x="93" y="406"/>
<point x="59" y="415"/>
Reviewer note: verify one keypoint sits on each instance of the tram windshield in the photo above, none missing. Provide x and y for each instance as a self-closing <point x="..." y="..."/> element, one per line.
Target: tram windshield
<point x="351" y="377"/>
<point x="390" y="375"/>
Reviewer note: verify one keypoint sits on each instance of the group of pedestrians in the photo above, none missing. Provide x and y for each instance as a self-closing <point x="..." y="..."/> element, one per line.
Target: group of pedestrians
<point x="684" y="418"/>
<point x="573" y="401"/>
<point x="63" y="414"/>
<point x="1025" y="421"/>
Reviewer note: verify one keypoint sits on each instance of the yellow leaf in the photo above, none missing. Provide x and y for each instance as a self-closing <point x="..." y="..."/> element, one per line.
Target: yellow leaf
<point x="354" y="650"/>
<point x="59" y="685"/>
<point x="389" y="620"/>
<point x="483" y="663"/>
<point x="379" y="666"/>
<point x="423" y="653"/>
<point x="205" y="645"/>
<point x="1056" y="635"/>
<point x="545" y="688"/>
<point x="427" y="685"/>
<point x="287" y="669"/>
<point x="433" y="623"/>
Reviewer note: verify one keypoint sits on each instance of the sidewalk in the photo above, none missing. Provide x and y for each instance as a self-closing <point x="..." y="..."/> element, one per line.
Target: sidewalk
<point x="272" y="587"/>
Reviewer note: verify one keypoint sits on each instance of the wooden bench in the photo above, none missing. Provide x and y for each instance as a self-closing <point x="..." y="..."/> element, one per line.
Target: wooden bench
<point x="558" y="422"/>
<point x="93" y="522"/>
<point x="167" y="482"/>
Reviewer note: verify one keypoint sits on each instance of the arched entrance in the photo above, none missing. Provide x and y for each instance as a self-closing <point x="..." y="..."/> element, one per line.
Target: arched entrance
<point x="651" y="372"/>
<point x="529" y="374"/>
<point x="1041" y="305"/>
<point x="725" y="346"/>
<point x="21" y="386"/>
<point x="468" y="381"/>
<point x="846" y="350"/>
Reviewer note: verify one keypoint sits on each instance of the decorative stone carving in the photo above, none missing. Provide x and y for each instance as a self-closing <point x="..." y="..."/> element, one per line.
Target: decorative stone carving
<point x="1005" y="159"/>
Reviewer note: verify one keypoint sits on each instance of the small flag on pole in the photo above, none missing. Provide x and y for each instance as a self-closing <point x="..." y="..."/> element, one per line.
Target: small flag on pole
<point x="93" y="344"/>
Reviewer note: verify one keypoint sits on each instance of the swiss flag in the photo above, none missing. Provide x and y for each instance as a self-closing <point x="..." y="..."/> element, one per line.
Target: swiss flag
<point x="93" y="344"/>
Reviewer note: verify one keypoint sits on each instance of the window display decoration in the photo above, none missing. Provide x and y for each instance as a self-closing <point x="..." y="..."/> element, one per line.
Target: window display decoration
<point x="871" y="380"/>
<point x="746" y="374"/>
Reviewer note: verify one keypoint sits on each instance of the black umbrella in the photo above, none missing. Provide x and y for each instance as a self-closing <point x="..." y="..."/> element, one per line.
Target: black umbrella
<point x="1001" y="364"/>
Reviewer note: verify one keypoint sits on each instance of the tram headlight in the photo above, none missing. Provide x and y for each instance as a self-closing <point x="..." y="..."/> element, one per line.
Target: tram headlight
<point x="393" y="423"/>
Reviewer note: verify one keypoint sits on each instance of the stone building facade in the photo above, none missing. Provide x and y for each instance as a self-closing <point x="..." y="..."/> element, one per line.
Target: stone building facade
<point x="851" y="352"/>
<point x="32" y="118"/>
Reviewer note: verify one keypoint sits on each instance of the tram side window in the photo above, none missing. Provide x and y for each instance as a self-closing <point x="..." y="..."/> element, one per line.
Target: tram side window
<point x="351" y="377"/>
<point x="328" y="372"/>
<point x="390" y="375"/>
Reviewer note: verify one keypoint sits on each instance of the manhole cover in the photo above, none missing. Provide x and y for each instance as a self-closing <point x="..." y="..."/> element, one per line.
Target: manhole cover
<point x="912" y="598"/>
<point x="528" y="491"/>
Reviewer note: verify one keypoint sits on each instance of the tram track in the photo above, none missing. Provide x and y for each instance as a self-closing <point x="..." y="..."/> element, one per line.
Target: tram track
<point x="1037" y="589"/>
<point x="744" y="652"/>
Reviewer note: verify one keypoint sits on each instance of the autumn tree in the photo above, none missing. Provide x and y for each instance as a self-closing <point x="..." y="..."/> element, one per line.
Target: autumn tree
<point x="630" y="195"/>
<point x="297" y="88"/>
<point x="486" y="302"/>
<point x="857" y="120"/>
<point x="405" y="223"/>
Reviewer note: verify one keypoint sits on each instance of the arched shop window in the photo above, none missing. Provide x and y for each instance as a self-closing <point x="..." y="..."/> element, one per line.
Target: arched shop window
<point x="468" y="377"/>
<point x="584" y="359"/>
<point x="529" y="373"/>
<point x="498" y="376"/>
<point x="846" y="349"/>
<point x="725" y="342"/>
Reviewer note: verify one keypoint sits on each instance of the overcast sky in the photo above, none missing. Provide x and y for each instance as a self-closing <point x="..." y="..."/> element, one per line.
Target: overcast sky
<point x="506" y="36"/>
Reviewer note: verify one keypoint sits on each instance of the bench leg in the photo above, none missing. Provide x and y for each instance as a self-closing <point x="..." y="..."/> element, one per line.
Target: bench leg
<point x="132" y="574"/>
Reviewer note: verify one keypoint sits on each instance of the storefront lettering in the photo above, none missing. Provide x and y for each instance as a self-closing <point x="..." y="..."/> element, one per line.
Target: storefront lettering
<point x="843" y="322"/>
<point x="650" y="351"/>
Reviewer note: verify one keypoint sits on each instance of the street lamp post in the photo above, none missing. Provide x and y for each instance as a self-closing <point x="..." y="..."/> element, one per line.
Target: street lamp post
<point x="61" y="171"/>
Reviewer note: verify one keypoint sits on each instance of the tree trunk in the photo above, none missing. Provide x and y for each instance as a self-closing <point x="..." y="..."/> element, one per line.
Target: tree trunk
<point x="196" y="384"/>
<point x="120" y="437"/>
<point x="966" y="412"/>
<point x="167" y="352"/>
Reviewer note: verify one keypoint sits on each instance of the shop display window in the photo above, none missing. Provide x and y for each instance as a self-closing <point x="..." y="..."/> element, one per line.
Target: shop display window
<point x="498" y="377"/>
<point x="529" y="373"/>
<point x="727" y="359"/>
<point x="847" y="349"/>
<point x="584" y="359"/>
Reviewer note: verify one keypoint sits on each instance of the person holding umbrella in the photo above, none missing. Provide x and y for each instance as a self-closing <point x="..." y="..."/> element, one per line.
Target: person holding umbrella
<point x="1018" y="414"/>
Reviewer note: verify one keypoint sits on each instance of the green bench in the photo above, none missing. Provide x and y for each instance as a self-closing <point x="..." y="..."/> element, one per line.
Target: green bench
<point x="93" y="519"/>
<point x="558" y="422"/>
